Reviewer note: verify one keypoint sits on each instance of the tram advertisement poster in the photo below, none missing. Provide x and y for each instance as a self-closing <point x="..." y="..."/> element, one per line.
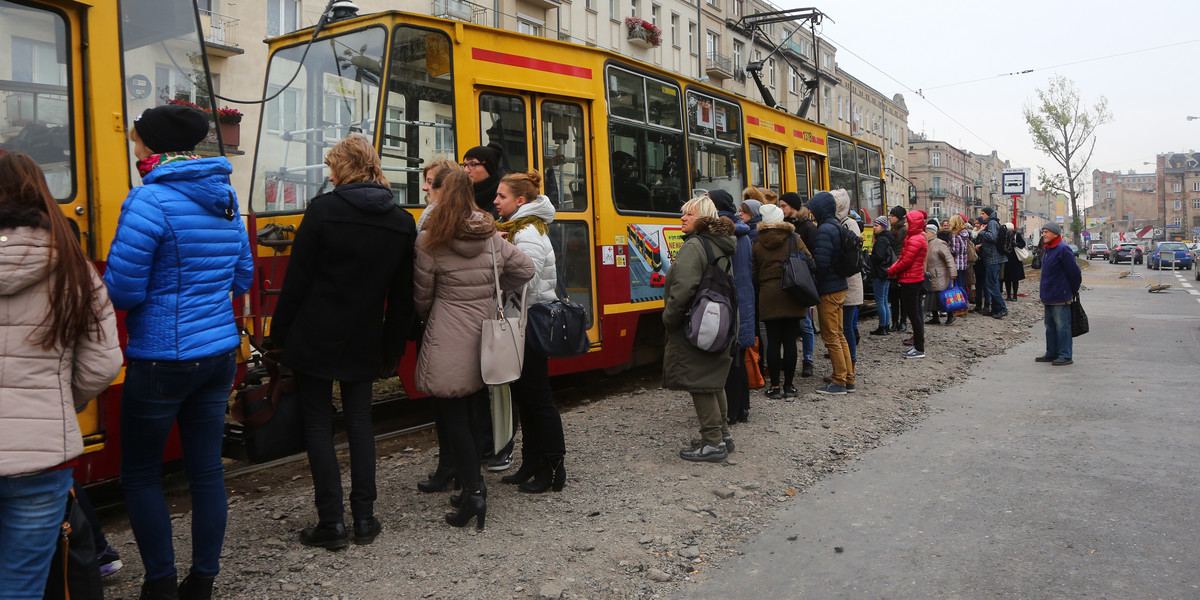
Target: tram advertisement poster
<point x="652" y="248"/>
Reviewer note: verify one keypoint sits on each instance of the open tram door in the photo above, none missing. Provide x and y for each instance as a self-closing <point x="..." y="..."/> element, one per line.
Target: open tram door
<point x="551" y="134"/>
<point x="766" y="165"/>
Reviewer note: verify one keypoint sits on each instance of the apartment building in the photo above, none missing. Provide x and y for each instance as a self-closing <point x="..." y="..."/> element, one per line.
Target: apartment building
<point x="708" y="40"/>
<point x="1178" y="181"/>
<point x="939" y="170"/>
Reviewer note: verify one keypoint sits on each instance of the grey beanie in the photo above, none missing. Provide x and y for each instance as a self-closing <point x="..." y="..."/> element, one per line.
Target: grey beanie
<point x="753" y="207"/>
<point x="1052" y="227"/>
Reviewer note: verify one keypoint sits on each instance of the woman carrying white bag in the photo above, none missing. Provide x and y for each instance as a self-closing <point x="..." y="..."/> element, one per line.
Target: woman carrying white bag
<point x="460" y="259"/>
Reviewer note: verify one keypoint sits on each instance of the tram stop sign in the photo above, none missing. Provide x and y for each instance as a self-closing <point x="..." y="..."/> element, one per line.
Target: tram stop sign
<point x="1015" y="182"/>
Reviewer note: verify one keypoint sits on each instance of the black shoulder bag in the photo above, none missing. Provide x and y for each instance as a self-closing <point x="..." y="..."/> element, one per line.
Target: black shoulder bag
<point x="797" y="280"/>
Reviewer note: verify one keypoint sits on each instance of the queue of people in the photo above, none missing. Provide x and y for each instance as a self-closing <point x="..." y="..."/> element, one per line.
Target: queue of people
<point x="364" y="278"/>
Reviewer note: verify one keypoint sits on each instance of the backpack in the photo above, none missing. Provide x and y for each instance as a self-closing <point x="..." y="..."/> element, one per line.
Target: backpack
<point x="711" y="322"/>
<point x="972" y="253"/>
<point x="849" y="260"/>
<point x="1004" y="241"/>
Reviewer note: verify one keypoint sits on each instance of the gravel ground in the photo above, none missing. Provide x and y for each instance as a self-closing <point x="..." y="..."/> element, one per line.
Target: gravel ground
<point x="634" y="521"/>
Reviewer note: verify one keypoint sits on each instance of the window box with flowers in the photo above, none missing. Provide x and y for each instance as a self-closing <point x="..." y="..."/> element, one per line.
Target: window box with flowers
<point x="642" y="33"/>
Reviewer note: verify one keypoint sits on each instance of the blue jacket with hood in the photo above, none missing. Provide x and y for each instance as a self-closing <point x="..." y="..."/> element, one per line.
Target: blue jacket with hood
<point x="828" y="242"/>
<point x="179" y="251"/>
<point x="742" y="268"/>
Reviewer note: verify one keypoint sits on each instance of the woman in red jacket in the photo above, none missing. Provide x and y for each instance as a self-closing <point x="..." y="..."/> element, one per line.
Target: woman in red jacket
<point x="910" y="270"/>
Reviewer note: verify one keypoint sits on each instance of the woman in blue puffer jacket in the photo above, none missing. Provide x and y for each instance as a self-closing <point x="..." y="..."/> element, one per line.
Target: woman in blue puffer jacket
<point x="179" y="255"/>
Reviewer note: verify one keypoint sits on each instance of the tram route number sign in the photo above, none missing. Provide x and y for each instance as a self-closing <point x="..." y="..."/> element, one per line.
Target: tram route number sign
<point x="1015" y="182"/>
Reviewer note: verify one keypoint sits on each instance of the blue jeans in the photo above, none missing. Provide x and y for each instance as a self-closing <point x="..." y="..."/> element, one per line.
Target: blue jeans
<point x="849" y="329"/>
<point x="157" y="394"/>
<point x="1058" y="330"/>
<point x="880" y="287"/>
<point x="995" y="294"/>
<point x="31" y="515"/>
<point x="808" y="337"/>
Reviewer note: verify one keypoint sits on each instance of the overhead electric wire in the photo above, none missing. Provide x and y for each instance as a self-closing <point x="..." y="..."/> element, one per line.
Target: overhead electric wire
<point x="1066" y="64"/>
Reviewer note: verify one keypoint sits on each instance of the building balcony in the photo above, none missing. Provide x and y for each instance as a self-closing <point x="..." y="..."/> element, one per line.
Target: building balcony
<point x="544" y="4"/>
<point x="719" y="66"/>
<point x="642" y="33"/>
<point x="220" y="34"/>
<point x="937" y="192"/>
<point x="461" y="10"/>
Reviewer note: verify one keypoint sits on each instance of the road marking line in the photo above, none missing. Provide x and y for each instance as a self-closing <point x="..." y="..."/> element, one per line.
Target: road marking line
<point x="1186" y="284"/>
<point x="1194" y="292"/>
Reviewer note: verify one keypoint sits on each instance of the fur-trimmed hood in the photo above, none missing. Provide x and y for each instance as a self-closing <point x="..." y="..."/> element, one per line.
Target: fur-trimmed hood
<point x="720" y="226"/>
<point x="774" y="235"/>
<point x="470" y="239"/>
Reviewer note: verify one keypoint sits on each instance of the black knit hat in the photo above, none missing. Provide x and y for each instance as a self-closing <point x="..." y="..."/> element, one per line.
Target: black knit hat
<point x="897" y="212"/>
<point x="489" y="155"/>
<point x="722" y="200"/>
<point x="989" y="211"/>
<point x="171" y="128"/>
<point x="793" y="200"/>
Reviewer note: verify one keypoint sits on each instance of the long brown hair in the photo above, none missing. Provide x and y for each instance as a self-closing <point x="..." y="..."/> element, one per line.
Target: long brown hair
<point x="456" y="202"/>
<point x="26" y="201"/>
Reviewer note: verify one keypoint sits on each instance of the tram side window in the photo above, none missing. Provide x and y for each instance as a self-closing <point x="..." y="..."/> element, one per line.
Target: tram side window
<point x="802" y="187"/>
<point x="573" y="256"/>
<point x="502" y="121"/>
<point x="756" y="165"/>
<point x="336" y="94"/>
<point x="649" y="165"/>
<point x="564" y="144"/>
<point x="870" y="182"/>
<point x="34" y="88"/>
<point x="714" y="144"/>
<point x="775" y="170"/>
<point x="418" y="124"/>
<point x="841" y="168"/>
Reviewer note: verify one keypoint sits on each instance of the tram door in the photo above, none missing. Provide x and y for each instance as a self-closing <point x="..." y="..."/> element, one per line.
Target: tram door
<point x="550" y="134"/>
<point x="766" y="166"/>
<point x="808" y="174"/>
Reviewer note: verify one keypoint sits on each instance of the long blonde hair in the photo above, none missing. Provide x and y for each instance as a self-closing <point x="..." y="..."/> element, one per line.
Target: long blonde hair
<point x="957" y="224"/>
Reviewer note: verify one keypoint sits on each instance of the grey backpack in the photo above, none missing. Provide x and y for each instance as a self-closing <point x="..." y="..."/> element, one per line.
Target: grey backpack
<point x="711" y="323"/>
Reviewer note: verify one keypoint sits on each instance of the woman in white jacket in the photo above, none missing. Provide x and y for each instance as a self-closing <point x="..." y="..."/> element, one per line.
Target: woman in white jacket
<point x="525" y="218"/>
<point x="58" y="342"/>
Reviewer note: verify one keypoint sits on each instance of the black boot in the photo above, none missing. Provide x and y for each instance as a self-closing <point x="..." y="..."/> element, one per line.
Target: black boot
<point x="949" y="318"/>
<point x="439" y="479"/>
<point x="473" y="505"/>
<point x="456" y="499"/>
<point x="529" y="468"/>
<point x="366" y="529"/>
<point x="163" y="588"/>
<point x="194" y="587"/>
<point x="552" y="475"/>
<point x="330" y="536"/>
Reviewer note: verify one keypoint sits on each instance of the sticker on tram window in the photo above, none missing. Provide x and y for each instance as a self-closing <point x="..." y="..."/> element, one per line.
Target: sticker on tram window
<point x="652" y="249"/>
<point x="722" y="120"/>
<point x="670" y="91"/>
<point x="619" y="240"/>
<point x="343" y="87"/>
<point x="704" y="114"/>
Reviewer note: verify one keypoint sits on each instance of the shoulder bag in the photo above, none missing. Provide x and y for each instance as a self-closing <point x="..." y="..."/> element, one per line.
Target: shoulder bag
<point x="558" y="329"/>
<point x="797" y="280"/>
<point x="502" y="341"/>
<point x="271" y="426"/>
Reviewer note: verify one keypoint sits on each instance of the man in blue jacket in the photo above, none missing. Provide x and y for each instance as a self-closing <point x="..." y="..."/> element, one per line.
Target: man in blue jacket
<point x="1060" y="283"/>
<point x="832" y="289"/>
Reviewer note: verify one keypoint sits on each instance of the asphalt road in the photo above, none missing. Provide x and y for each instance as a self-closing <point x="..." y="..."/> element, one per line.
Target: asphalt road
<point x="1027" y="481"/>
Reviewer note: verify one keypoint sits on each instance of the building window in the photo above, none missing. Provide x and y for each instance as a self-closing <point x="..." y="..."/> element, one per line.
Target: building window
<point x="1178" y="187"/>
<point x="793" y="80"/>
<point x="1178" y="205"/>
<point x="936" y="159"/>
<point x="1196" y="186"/>
<point x="612" y="9"/>
<point x="590" y="5"/>
<point x="715" y="4"/>
<point x="283" y="16"/>
<point x="528" y="25"/>
<point x="634" y="9"/>
<point x="1108" y="194"/>
<point x="771" y="71"/>
<point x="737" y="7"/>
<point x="827" y="60"/>
<point x="675" y="30"/>
<point x="692" y="38"/>
<point x="738" y="49"/>
<point x="655" y="14"/>
<point x="841" y="113"/>
<point x="1195" y="203"/>
<point x="1178" y="221"/>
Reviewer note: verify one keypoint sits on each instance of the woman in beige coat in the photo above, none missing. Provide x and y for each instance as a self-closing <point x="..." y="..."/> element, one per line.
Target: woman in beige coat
<point x="939" y="263"/>
<point x="455" y="293"/>
<point x="58" y="342"/>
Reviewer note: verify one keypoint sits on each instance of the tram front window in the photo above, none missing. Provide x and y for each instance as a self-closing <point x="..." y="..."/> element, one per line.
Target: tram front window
<point x="335" y="93"/>
<point x="419" y="125"/>
<point x="35" y="90"/>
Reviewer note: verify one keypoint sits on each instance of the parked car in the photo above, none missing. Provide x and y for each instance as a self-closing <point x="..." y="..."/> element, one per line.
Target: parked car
<point x="1125" y="251"/>
<point x="1173" y="255"/>
<point x="1098" y="250"/>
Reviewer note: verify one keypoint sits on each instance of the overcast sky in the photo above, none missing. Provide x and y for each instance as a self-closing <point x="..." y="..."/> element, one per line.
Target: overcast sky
<point x="926" y="45"/>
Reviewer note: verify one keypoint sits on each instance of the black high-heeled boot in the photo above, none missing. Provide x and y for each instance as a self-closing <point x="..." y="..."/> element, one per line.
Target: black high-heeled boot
<point x="456" y="499"/>
<point x="473" y="505"/>
<point x="551" y="476"/>
<point x="529" y="468"/>
<point x="194" y="587"/>
<point x="438" y="480"/>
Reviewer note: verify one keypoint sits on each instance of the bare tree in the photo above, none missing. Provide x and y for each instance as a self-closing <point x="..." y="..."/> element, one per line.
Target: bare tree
<point x="1065" y="130"/>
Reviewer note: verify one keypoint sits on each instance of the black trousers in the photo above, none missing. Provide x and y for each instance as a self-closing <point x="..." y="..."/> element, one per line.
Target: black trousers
<point x="534" y="403"/>
<point x="455" y="416"/>
<point x="894" y="303"/>
<point x="910" y="299"/>
<point x="781" y="350"/>
<point x="737" y="386"/>
<point x="316" y="408"/>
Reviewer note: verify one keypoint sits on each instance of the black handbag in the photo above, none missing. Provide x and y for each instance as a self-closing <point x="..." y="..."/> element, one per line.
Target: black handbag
<point x="1079" y="319"/>
<point x="74" y="570"/>
<point x="272" y="426"/>
<point x="558" y="329"/>
<point x="797" y="280"/>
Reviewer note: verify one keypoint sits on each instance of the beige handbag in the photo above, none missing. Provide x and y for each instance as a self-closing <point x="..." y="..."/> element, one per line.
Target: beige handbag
<point x="502" y="343"/>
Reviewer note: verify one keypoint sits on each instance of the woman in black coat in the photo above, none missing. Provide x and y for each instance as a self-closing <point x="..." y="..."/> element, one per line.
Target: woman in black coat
<point x="344" y="314"/>
<point x="1014" y="269"/>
